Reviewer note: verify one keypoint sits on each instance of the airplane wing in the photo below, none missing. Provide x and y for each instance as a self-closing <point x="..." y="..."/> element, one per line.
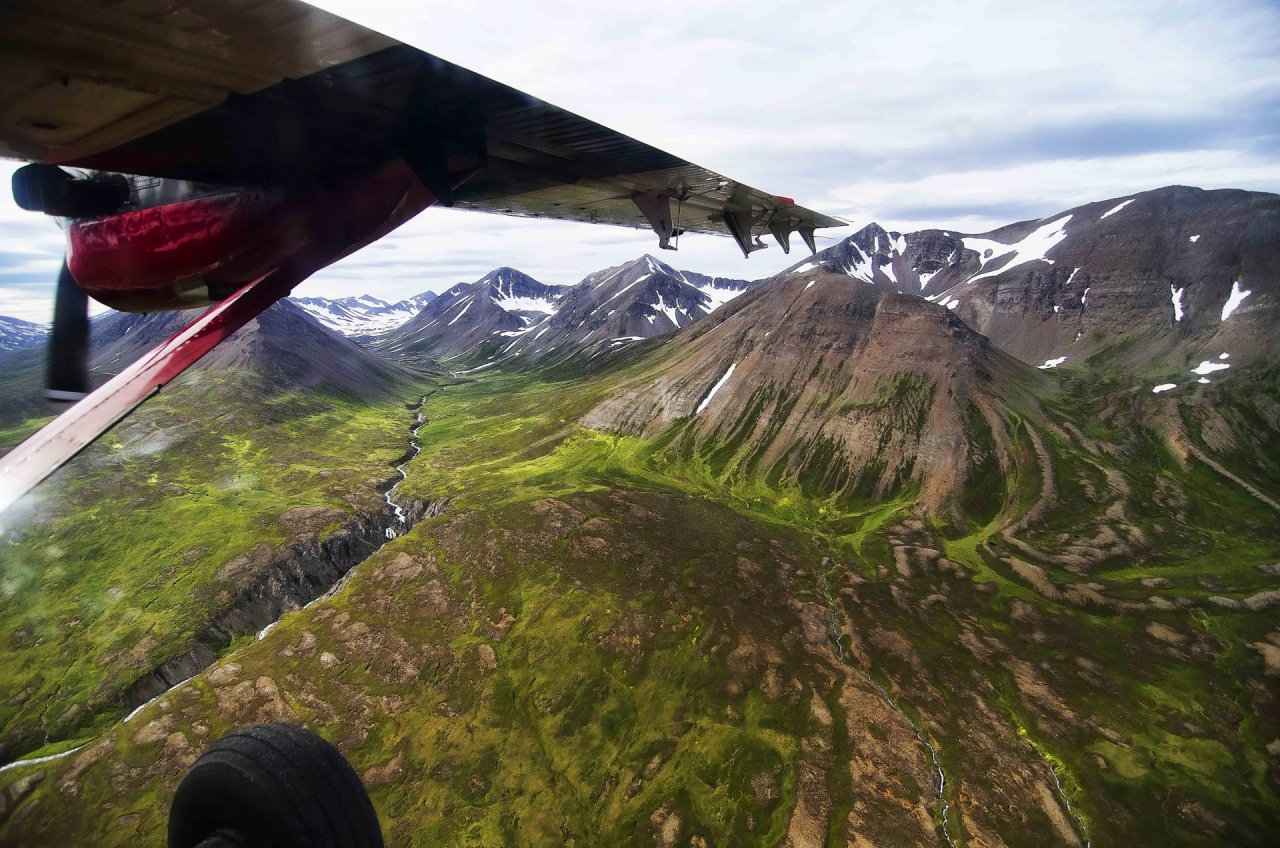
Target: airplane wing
<point x="279" y="92"/>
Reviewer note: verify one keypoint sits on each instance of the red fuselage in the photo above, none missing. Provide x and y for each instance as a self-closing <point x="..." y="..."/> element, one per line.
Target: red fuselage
<point x="197" y="251"/>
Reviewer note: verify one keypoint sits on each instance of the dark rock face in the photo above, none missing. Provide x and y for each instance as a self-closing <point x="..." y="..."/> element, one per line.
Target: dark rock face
<point x="272" y="583"/>
<point x="1137" y="275"/>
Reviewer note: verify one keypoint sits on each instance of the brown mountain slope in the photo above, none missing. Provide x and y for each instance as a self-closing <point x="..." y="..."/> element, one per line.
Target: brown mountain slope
<point x="834" y="386"/>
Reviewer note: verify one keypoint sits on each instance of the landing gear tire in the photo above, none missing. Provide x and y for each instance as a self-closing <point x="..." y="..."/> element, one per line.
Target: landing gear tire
<point x="272" y="786"/>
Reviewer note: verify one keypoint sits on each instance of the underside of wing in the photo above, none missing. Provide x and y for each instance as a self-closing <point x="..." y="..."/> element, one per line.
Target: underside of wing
<point x="276" y="92"/>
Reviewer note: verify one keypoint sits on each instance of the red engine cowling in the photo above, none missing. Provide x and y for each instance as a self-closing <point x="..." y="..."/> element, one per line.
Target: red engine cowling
<point x="199" y="250"/>
<point x="179" y="255"/>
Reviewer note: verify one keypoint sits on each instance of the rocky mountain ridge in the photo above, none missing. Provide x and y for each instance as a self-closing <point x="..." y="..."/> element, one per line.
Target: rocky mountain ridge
<point x="1177" y="275"/>
<point x="508" y="315"/>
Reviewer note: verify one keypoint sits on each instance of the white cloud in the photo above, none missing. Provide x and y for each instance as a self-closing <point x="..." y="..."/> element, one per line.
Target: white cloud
<point x="965" y="116"/>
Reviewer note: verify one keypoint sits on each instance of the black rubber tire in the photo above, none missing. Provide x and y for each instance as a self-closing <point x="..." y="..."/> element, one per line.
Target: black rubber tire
<point x="276" y="786"/>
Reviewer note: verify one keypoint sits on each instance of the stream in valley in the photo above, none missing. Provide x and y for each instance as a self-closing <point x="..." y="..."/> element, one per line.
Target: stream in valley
<point x="415" y="447"/>
<point x="401" y="518"/>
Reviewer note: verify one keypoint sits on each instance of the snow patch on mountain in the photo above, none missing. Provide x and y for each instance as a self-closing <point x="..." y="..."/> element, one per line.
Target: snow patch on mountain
<point x="1209" y="366"/>
<point x="16" y="334"/>
<point x="510" y="303"/>
<point x="1234" y="300"/>
<point x="717" y="297"/>
<point x="672" y="311"/>
<point x="717" y="387"/>
<point x="864" y="268"/>
<point x="463" y="312"/>
<point x="1115" y="209"/>
<point x="364" y="315"/>
<point x="1033" y="248"/>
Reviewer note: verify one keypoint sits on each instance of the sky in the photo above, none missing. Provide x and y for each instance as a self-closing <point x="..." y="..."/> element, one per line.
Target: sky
<point x="964" y="116"/>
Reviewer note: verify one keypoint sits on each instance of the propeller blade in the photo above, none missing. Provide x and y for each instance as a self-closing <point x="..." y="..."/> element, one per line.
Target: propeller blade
<point x="68" y="371"/>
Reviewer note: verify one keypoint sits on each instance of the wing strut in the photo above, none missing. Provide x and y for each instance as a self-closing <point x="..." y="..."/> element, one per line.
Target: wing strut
<point x="74" y="430"/>
<point x="656" y="207"/>
<point x="740" y="226"/>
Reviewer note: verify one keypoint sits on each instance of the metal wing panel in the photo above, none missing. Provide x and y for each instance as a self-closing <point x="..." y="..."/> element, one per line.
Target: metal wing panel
<point x="254" y="92"/>
<point x="149" y="64"/>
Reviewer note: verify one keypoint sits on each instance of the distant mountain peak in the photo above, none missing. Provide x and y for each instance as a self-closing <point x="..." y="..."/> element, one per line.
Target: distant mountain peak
<point x="16" y="334"/>
<point x="362" y="316"/>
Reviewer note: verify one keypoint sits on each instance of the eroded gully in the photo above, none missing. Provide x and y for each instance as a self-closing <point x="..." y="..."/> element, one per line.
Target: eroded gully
<point x="415" y="447"/>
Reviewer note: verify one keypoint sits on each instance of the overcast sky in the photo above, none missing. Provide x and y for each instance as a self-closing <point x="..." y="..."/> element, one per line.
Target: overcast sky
<point x="960" y="115"/>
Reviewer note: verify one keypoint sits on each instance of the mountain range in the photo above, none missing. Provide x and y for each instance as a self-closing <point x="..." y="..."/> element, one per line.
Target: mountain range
<point x="285" y="348"/>
<point x="508" y="314"/>
<point x="1170" y="273"/>
<point x="889" y="362"/>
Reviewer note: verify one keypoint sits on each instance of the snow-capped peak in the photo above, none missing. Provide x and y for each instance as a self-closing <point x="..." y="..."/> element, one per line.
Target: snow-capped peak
<point x="364" y="315"/>
<point x="16" y="334"/>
